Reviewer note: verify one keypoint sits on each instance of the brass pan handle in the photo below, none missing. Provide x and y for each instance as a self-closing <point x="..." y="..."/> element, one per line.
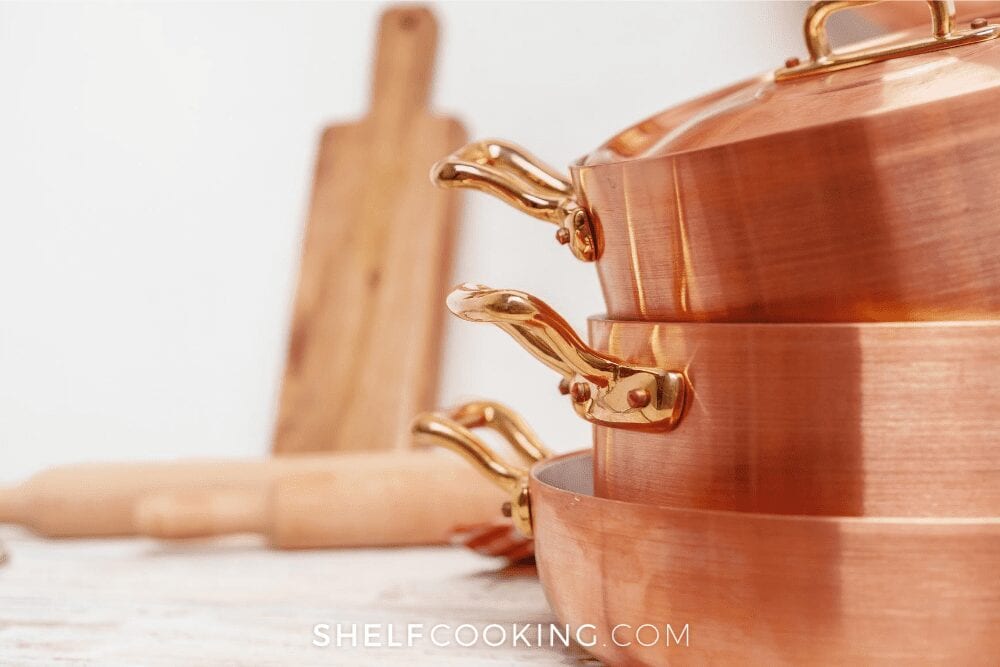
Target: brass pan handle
<point x="823" y="59"/>
<point x="506" y="422"/>
<point x="453" y="431"/>
<point x="513" y="175"/>
<point x="604" y="390"/>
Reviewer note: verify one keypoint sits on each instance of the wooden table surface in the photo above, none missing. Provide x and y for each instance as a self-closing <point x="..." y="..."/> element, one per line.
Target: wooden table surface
<point x="231" y="602"/>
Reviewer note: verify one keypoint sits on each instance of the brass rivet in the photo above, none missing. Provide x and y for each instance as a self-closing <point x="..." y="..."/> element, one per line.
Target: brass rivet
<point x="792" y="62"/>
<point x="580" y="391"/>
<point x="562" y="235"/>
<point x="506" y="510"/>
<point x="978" y="23"/>
<point x="638" y="398"/>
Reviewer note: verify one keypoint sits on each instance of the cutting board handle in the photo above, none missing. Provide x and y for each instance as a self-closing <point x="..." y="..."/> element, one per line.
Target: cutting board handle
<point x="404" y="61"/>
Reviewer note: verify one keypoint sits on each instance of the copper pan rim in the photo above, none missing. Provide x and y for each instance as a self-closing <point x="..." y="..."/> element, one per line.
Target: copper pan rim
<point x="580" y="167"/>
<point x="539" y="476"/>
<point x="763" y="589"/>
<point x="754" y="588"/>
<point x="603" y="318"/>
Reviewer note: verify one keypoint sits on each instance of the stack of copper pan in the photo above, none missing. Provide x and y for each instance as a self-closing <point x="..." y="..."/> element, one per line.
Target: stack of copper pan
<point x="796" y="391"/>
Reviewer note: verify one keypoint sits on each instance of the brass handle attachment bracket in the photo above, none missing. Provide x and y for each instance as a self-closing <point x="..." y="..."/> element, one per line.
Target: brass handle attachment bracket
<point x="604" y="390"/>
<point x="513" y="175"/>
<point x="453" y="430"/>
<point x="823" y="60"/>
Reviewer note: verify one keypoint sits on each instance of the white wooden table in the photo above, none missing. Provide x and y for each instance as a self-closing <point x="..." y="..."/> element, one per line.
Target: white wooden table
<point x="231" y="602"/>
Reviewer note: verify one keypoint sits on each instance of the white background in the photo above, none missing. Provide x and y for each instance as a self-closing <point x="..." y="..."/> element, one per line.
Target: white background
<point x="155" y="164"/>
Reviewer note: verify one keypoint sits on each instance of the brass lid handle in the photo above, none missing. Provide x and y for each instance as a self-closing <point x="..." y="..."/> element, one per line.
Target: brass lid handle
<point x="453" y="431"/>
<point x="823" y="59"/>
<point x="513" y="175"/>
<point x="604" y="390"/>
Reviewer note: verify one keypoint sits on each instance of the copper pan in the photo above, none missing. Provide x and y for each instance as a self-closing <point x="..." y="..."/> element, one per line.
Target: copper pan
<point x="837" y="419"/>
<point x="850" y="187"/>
<point x="743" y="588"/>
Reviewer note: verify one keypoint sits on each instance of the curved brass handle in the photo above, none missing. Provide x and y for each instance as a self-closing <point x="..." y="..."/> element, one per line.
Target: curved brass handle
<point x="510" y="173"/>
<point x="823" y="59"/>
<point x="604" y="390"/>
<point x="453" y="432"/>
<point x="506" y="422"/>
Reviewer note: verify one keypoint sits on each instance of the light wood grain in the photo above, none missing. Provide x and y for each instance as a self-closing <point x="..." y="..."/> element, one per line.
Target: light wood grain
<point x="365" y="336"/>
<point x="370" y="499"/>
<point x="98" y="499"/>
<point x="137" y="602"/>
<point x="331" y="500"/>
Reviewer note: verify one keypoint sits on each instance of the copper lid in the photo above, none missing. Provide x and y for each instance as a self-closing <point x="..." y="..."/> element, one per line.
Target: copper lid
<point x="936" y="65"/>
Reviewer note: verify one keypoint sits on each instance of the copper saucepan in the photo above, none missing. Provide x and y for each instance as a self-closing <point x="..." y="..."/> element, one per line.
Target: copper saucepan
<point x="856" y="186"/>
<point x="896" y="419"/>
<point x="749" y="588"/>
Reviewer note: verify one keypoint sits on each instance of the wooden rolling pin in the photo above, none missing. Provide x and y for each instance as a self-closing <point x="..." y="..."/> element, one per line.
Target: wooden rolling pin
<point x="373" y="500"/>
<point x="99" y="499"/>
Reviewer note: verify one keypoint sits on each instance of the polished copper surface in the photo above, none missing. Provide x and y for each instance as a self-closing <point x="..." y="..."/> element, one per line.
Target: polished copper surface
<point x="764" y="108"/>
<point x="864" y="194"/>
<point x="882" y="217"/>
<point x="837" y="419"/>
<point x="649" y="585"/>
<point x="756" y="589"/>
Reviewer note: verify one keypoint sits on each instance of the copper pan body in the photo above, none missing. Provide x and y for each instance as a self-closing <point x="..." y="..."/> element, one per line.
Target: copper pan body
<point x="855" y="195"/>
<point x="893" y="419"/>
<point x="762" y="589"/>
<point x="892" y="216"/>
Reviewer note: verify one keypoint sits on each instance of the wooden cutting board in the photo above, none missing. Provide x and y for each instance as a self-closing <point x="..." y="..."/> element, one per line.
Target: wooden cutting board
<point x="365" y="338"/>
